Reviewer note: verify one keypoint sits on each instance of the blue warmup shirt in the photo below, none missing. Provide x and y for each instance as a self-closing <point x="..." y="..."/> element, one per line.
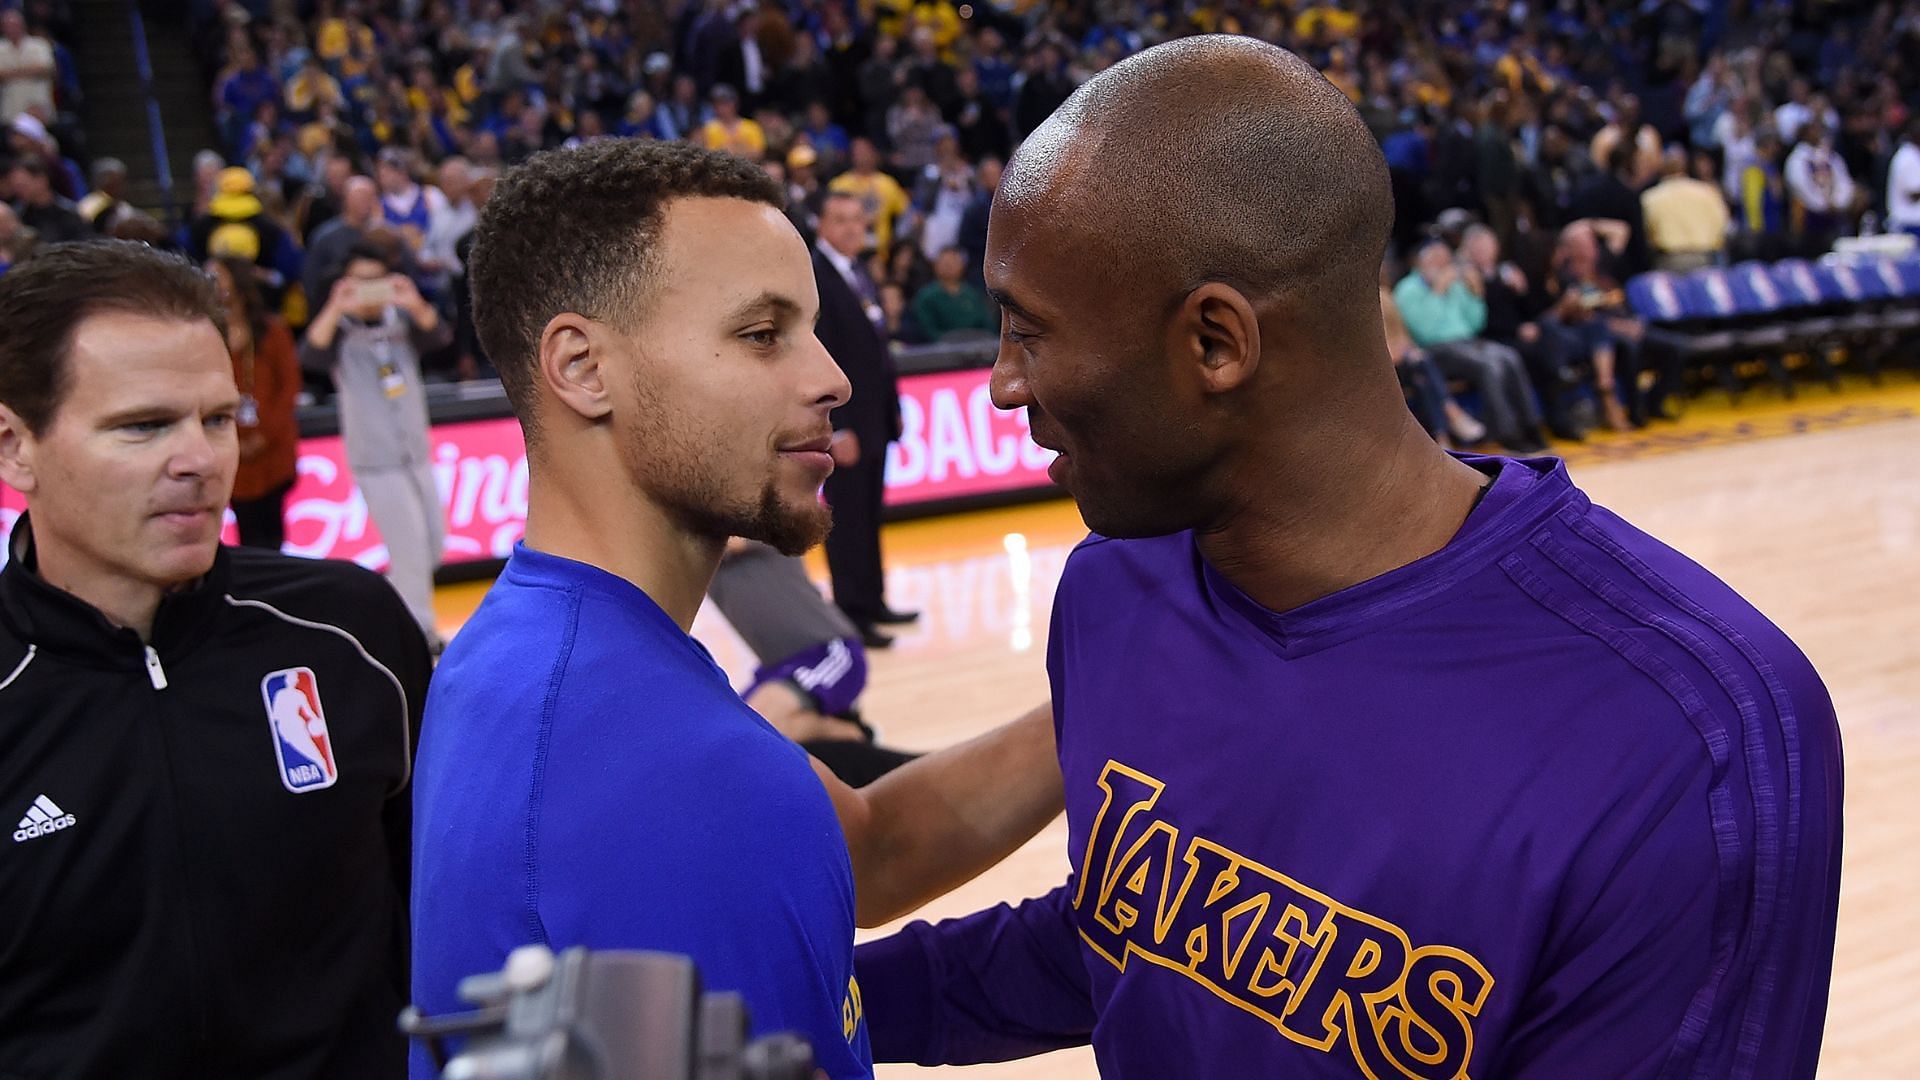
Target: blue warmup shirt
<point x="586" y="776"/>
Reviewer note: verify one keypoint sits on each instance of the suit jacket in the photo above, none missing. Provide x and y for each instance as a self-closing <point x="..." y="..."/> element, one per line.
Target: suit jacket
<point x="873" y="413"/>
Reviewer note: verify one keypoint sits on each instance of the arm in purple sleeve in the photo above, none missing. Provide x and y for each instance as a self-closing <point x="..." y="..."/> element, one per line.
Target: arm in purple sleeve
<point x="997" y="985"/>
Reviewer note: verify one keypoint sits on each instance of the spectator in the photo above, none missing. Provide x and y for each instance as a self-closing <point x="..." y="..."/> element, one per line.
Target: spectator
<point x="828" y="139"/>
<point x="27" y="137"/>
<point x="327" y="252"/>
<point x="15" y="239"/>
<point x="805" y="81"/>
<point x="684" y="113"/>
<point x="1801" y="106"/>
<point x="1686" y="218"/>
<point x="973" y="226"/>
<point x="105" y="206"/>
<point x="1903" y="183"/>
<point x="902" y="326"/>
<point x="976" y="119"/>
<point x="1734" y="133"/>
<point x="450" y="220"/>
<point x="950" y="305"/>
<point x="406" y="205"/>
<point x="729" y="131"/>
<point x="881" y="196"/>
<point x="370" y="336"/>
<point x="1588" y="322"/>
<point x="52" y="218"/>
<point x="1764" y="201"/>
<point x="646" y="119"/>
<point x="943" y="194"/>
<point x="879" y="82"/>
<point x="1424" y="385"/>
<point x="1514" y="308"/>
<point x="243" y="87"/>
<point x="907" y="268"/>
<point x="1562" y="173"/>
<point x="912" y="126"/>
<point x="470" y="358"/>
<point x="1708" y="99"/>
<point x="1443" y="306"/>
<point x="1821" y="187"/>
<point x="1045" y="86"/>
<point x="1612" y="196"/>
<point x="743" y="65"/>
<point x="803" y="188"/>
<point x="26" y="69"/>
<point x="312" y="90"/>
<point x="1497" y="167"/>
<point x="996" y="72"/>
<point x="266" y="368"/>
<point x="237" y="224"/>
<point x="1644" y="142"/>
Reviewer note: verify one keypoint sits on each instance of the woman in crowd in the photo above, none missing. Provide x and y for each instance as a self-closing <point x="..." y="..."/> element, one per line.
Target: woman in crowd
<point x="266" y="367"/>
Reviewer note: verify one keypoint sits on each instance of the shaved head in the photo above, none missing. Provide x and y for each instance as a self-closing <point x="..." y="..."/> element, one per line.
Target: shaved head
<point x="1217" y="158"/>
<point x="1187" y="256"/>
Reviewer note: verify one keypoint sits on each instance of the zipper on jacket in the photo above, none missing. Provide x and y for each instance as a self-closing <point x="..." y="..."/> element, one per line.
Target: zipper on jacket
<point x="156" y="673"/>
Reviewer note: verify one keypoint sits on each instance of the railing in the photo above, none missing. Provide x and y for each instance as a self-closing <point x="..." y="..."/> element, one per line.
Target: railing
<point x="156" y="131"/>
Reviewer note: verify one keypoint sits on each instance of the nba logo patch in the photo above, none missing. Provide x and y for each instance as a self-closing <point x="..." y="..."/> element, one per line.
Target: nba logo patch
<point x="300" y="741"/>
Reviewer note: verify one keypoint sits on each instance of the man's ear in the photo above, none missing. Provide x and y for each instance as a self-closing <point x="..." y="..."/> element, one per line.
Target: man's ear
<point x="17" y="446"/>
<point x="1219" y="333"/>
<point x="571" y="349"/>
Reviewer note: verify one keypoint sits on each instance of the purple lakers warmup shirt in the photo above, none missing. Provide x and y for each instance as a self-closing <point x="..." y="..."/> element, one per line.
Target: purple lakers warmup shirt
<point x="1552" y="802"/>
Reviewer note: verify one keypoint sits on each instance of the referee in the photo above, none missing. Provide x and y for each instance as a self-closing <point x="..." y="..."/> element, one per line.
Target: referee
<point x="204" y="752"/>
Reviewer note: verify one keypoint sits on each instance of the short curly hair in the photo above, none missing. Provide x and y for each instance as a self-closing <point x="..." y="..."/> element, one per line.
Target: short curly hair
<point x="573" y="231"/>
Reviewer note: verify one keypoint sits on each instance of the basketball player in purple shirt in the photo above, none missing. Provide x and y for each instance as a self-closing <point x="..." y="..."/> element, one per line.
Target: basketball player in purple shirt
<point x="1379" y="762"/>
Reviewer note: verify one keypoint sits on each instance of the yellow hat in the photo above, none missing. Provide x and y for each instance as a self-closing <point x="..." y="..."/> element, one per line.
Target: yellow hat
<point x="801" y="156"/>
<point x="235" y="201"/>
<point x="236" y="240"/>
<point x="235" y="180"/>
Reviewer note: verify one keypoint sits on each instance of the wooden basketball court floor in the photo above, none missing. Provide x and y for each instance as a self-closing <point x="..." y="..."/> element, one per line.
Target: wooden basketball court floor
<point x="1810" y="508"/>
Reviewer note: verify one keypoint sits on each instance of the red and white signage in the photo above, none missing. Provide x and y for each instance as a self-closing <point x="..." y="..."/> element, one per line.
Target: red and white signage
<point x="954" y="443"/>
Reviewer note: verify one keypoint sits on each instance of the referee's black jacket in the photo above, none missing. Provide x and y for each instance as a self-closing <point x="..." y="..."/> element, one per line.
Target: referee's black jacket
<point x="202" y="874"/>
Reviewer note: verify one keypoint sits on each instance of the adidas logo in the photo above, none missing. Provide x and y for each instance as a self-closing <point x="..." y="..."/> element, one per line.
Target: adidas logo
<point x="44" y="818"/>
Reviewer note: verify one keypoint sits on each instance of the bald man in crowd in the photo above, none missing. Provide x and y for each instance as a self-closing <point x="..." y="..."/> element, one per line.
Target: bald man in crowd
<point x="327" y="252"/>
<point x="1379" y="761"/>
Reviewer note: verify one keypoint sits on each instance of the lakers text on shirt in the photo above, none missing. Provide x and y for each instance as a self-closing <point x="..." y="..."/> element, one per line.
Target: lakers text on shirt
<point x="1308" y="965"/>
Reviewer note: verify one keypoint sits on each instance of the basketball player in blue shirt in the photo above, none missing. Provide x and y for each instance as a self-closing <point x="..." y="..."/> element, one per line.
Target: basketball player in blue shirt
<point x="586" y="775"/>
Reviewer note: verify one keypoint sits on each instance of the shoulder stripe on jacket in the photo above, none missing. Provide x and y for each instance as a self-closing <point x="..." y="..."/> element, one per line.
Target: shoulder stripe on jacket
<point x="406" y="722"/>
<point x="32" y="651"/>
<point x="1722" y="807"/>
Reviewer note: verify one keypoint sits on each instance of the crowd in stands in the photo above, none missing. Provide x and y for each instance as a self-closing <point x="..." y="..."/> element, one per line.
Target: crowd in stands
<point x="1541" y="153"/>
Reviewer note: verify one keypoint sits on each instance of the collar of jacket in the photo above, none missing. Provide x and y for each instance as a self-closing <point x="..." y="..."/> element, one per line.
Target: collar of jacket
<point x="61" y="623"/>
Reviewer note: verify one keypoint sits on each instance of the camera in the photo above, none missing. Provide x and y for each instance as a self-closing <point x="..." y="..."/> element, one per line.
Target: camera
<point x="614" y="1015"/>
<point x="369" y="293"/>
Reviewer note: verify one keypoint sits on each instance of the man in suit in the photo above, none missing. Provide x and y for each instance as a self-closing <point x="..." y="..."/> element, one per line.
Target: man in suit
<point x="850" y="321"/>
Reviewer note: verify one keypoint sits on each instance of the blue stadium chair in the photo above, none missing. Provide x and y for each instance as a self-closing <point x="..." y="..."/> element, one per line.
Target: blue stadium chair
<point x="1816" y="325"/>
<point x="1900" y="310"/>
<point x="1682" y="324"/>
<point x="1745" y="295"/>
<point x="1908" y="270"/>
<point x="1895" y="289"/>
<point x="1869" y="325"/>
